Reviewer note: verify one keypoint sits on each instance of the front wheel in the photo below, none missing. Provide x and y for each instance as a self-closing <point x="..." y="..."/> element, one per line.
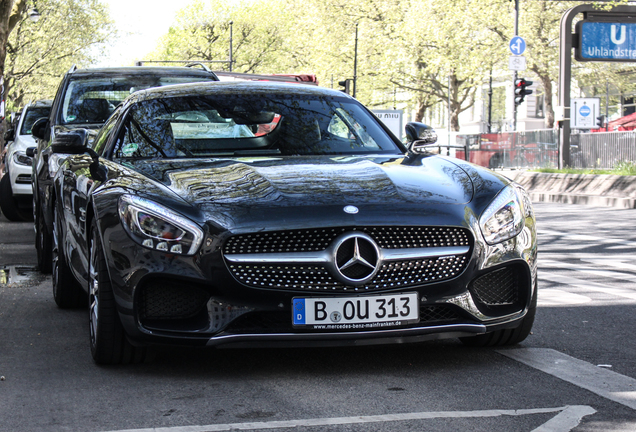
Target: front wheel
<point x="43" y="244"/>
<point x="10" y="205"/>
<point x="66" y="291"/>
<point x="108" y="340"/>
<point x="506" y="336"/>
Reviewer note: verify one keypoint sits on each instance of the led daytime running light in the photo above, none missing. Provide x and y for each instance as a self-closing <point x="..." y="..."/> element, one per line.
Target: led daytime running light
<point x="157" y="227"/>
<point x="503" y="219"/>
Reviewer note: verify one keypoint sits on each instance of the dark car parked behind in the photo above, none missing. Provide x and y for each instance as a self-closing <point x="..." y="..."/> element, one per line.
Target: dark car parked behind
<point x="85" y="99"/>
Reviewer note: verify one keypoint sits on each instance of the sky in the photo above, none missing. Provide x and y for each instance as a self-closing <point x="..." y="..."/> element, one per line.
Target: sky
<point x="140" y="24"/>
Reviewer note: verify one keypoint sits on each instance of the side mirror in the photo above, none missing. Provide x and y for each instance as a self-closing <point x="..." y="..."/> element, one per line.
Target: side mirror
<point x="40" y="128"/>
<point x="72" y="142"/>
<point x="419" y="136"/>
<point x="30" y="151"/>
<point x="9" y="135"/>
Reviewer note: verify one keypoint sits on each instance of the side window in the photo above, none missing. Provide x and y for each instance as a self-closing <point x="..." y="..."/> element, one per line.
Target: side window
<point x="102" y="137"/>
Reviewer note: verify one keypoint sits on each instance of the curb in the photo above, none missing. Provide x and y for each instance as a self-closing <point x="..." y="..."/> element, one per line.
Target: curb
<point x="590" y="189"/>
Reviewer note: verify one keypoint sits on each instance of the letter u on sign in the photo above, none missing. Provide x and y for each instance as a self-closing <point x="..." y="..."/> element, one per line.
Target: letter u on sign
<point x="621" y="39"/>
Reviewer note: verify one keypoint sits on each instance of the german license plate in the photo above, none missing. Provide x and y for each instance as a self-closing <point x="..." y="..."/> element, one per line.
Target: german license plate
<point x="368" y="312"/>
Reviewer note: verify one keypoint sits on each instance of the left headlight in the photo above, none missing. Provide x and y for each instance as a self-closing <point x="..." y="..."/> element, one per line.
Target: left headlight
<point x="157" y="227"/>
<point x="21" y="158"/>
<point x="504" y="218"/>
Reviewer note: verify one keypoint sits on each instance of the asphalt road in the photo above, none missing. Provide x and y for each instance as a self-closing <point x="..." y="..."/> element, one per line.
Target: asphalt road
<point x="576" y="372"/>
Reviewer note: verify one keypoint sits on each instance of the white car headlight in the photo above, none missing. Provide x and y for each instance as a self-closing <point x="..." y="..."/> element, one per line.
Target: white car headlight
<point x="504" y="217"/>
<point x="21" y="158"/>
<point x="157" y="227"/>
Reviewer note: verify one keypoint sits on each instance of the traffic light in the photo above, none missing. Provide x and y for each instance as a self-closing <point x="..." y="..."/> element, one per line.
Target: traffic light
<point x="600" y="121"/>
<point x="346" y="85"/>
<point x="520" y="90"/>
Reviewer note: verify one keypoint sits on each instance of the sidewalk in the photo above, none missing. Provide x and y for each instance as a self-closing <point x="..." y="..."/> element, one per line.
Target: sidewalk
<point x="591" y="189"/>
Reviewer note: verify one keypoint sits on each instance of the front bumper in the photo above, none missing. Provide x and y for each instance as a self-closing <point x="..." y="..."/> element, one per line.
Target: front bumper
<point x="20" y="176"/>
<point x="196" y="301"/>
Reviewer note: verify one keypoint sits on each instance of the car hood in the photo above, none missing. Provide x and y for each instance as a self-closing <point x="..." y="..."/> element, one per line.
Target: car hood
<point x="22" y="142"/>
<point x="290" y="190"/>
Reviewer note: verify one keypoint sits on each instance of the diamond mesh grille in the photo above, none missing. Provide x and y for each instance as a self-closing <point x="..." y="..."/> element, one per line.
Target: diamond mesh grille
<point x="497" y="288"/>
<point x="312" y="240"/>
<point x="316" y="278"/>
<point x="171" y="301"/>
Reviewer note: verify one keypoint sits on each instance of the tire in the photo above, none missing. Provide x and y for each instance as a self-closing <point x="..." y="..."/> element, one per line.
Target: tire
<point x="43" y="244"/>
<point x="67" y="292"/>
<point x="504" y="337"/>
<point x="108" y="341"/>
<point x="10" y="205"/>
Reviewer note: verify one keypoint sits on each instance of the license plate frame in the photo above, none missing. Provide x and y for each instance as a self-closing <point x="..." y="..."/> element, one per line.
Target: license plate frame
<point x="356" y="312"/>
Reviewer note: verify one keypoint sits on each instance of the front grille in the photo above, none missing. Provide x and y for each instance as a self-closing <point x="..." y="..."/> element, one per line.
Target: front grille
<point x="438" y="313"/>
<point x="312" y="240"/>
<point x="316" y="277"/>
<point x="497" y="288"/>
<point x="171" y="301"/>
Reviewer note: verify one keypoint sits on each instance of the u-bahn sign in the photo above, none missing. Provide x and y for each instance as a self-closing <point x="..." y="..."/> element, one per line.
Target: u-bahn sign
<point x="606" y="41"/>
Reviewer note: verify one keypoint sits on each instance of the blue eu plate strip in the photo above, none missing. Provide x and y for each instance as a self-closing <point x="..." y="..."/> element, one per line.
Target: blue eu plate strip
<point x="299" y="311"/>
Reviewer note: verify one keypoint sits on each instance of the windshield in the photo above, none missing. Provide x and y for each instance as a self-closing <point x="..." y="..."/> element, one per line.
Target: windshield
<point x="31" y="115"/>
<point x="251" y="124"/>
<point x="93" y="100"/>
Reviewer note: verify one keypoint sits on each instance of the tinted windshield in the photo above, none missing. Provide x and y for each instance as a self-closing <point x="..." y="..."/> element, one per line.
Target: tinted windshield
<point x="31" y="115"/>
<point x="92" y="100"/>
<point x="252" y="124"/>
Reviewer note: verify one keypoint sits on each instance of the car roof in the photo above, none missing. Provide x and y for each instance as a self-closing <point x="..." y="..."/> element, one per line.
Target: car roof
<point x="142" y="70"/>
<point x="234" y="88"/>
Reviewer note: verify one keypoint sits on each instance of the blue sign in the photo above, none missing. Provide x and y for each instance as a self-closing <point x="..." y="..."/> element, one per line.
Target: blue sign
<point x="585" y="111"/>
<point x="606" y="41"/>
<point x="517" y="45"/>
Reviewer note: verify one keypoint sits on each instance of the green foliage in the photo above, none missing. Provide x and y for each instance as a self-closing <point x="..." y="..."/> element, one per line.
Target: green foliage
<point x="69" y="32"/>
<point x="624" y="168"/>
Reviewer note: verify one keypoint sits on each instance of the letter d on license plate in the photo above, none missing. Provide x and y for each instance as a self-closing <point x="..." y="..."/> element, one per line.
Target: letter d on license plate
<point x="356" y="312"/>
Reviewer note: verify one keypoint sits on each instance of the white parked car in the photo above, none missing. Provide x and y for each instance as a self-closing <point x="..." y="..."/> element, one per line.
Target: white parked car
<point x="16" y="193"/>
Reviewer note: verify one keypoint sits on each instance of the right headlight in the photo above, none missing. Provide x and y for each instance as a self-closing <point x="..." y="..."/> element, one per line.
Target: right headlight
<point x="157" y="227"/>
<point x="504" y="218"/>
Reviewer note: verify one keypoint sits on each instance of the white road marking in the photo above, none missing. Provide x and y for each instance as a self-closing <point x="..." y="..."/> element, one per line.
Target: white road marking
<point x="586" y="237"/>
<point x="568" y="417"/>
<point x="603" y="382"/>
<point x="588" y="286"/>
<point x="555" y="297"/>
<point x="590" y="270"/>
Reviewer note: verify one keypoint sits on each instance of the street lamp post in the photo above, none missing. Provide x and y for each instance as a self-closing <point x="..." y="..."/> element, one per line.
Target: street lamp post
<point x="231" y="30"/>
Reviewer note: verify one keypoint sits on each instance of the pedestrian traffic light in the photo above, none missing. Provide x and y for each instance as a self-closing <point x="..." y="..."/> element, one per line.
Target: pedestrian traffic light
<point x="600" y="121"/>
<point x="346" y="85"/>
<point x="520" y="90"/>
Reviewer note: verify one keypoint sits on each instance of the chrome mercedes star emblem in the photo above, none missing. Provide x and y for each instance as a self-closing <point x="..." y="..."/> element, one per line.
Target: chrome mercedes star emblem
<point x="356" y="258"/>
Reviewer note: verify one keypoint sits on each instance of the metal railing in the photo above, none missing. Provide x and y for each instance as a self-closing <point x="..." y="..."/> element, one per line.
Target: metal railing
<point x="526" y="149"/>
<point x="540" y="149"/>
<point x="602" y="149"/>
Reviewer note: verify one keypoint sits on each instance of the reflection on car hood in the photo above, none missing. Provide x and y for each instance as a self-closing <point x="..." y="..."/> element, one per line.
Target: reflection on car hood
<point x="225" y="188"/>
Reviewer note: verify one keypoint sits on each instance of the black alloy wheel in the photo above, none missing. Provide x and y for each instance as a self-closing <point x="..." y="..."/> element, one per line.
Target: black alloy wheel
<point x="66" y="290"/>
<point x="109" y="344"/>
<point x="10" y="205"/>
